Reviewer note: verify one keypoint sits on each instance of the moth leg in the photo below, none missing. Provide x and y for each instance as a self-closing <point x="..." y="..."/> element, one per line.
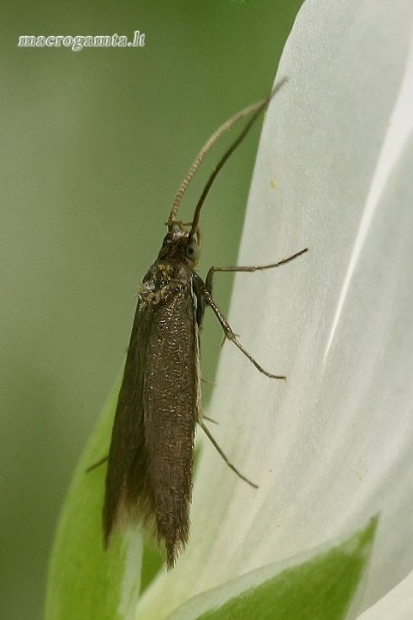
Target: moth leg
<point x="97" y="464"/>
<point x="208" y="382"/>
<point x="229" y="334"/>
<point x="284" y="261"/>
<point x="205" y="417"/>
<point x="223" y="455"/>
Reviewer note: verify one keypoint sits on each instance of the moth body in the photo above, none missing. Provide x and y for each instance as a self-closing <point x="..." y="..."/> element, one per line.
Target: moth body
<point x="149" y="477"/>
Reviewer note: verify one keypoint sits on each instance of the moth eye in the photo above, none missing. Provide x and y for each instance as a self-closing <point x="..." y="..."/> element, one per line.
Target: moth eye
<point x="192" y="251"/>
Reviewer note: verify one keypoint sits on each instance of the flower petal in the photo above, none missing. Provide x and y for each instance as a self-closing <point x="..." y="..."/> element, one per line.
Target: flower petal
<point x="326" y="584"/>
<point x="397" y="604"/>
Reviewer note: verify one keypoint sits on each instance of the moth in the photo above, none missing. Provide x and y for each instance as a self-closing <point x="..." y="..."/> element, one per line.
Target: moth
<point x="151" y="456"/>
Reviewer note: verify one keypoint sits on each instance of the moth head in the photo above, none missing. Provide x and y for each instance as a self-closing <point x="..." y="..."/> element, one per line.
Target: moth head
<point x="179" y="245"/>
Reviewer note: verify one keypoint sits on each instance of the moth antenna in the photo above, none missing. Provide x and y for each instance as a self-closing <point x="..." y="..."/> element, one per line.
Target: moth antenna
<point x="228" y="153"/>
<point x="255" y="107"/>
<point x="203" y="152"/>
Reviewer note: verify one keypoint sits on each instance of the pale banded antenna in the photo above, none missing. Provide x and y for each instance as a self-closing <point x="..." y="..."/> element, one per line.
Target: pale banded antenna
<point x="255" y="107"/>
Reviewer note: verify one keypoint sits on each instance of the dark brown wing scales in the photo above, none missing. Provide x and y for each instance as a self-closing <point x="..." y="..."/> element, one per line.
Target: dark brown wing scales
<point x="127" y="448"/>
<point x="170" y="401"/>
<point x="157" y="412"/>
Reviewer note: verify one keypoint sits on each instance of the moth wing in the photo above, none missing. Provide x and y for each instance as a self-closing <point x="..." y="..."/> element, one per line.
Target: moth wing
<point x="171" y="409"/>
<point x="128" y="436"/>
<point x="149" y="476"/>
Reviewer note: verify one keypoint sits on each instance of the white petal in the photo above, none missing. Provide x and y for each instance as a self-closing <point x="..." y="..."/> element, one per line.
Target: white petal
<point x="334" y="445"/>
<point x="396" y="605"/>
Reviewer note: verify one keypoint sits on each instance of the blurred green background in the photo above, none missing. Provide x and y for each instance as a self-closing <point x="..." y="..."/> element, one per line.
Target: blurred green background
<point x="94" y="145"/>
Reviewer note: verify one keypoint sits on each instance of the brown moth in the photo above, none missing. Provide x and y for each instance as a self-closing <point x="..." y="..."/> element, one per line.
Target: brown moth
<point x="150" y="462"/>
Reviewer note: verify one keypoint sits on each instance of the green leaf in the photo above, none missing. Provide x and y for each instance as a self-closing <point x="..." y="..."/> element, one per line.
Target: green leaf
<point x="85" y="581"/>
<point x="321" y="588"/>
